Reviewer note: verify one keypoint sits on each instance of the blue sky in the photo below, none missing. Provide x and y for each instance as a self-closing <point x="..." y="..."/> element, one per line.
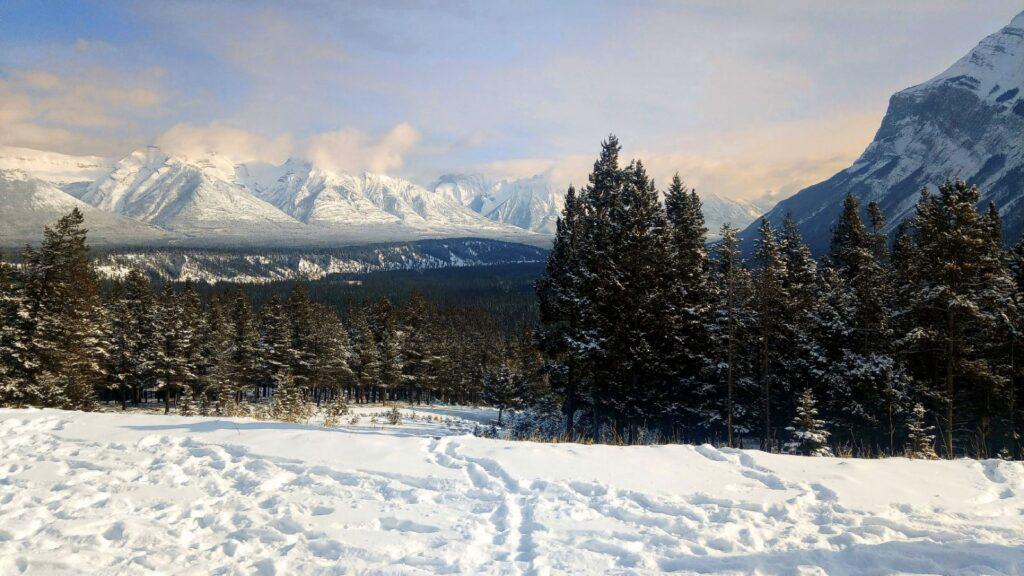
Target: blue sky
<point x="743" y="98"/>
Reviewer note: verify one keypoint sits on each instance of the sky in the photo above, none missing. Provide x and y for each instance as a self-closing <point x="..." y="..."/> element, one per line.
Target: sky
<point x="742" y="98"/>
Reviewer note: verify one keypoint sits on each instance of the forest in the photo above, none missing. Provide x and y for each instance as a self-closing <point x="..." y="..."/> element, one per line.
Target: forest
<point x="897" y="342"/>
<point x="889" y="345"/>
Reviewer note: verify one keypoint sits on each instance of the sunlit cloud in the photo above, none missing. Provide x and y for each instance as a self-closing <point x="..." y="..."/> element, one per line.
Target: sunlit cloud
<point x="351" y="150"/>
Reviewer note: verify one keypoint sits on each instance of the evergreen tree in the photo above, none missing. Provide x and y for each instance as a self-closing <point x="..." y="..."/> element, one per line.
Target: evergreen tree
<point x="921" y="441"/>
<point x="691" y="295"/>
<point x="730" y="326"/>
<point x="66" y="332"/>
<point x="389" y="342"/>
<point x="962" y="294"/>
<point x="808" y="434"/>
<point x="502" y="390"/>
<point x="366" y="356"/>
<point x="13" y="374"/>
<point x="132" y="336"/>
<point x="770" y="307"/>
<point x="561" y="299"/>
<point x="243" y="347"/>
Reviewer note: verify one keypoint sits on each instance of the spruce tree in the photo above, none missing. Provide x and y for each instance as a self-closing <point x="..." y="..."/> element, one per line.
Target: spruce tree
<point x="770" y="306"/>
<point x="920" y="440"/>
<point x="960" y="299"/>
<point x="66" y="338"/>
<point x="730" y="326"/>
<point x="808" y="435"/>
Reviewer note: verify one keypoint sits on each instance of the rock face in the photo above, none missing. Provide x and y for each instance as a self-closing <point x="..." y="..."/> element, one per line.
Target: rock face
<point x="967" y="122"/>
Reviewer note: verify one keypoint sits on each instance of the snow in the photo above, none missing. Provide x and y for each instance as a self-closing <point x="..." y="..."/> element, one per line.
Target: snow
<point x="52" y="167"/>
<point x="136" y="493"/>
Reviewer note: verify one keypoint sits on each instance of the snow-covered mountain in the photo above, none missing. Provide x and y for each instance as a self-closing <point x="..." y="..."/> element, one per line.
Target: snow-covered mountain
<point x="967" y="122"/>
<point x="27" y="204"/>
<point x="530" y="203"/>
<point x="535" y="204"/>
<point x="319" y="197"/>
<point x="719" y="211"/>
<point x="52" y="167"/>
<point x="198" y="197"/>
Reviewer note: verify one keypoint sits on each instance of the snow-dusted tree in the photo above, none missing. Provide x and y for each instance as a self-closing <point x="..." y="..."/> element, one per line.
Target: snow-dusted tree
<point x="920" y="439"/>
<point x="729" y="328"/>
<point x="277" y="346"/>
<point x="13" y="375"/>
<point x="961" y="297"/>
<point x="66" y="335"/>
<point x="131" y="313"/>
<point x="389" y="341"/>
<point x="419" y="347"/>
<point x="561" y="300"/>
<point x="366" y="356"/>
<point x="243" y="348"/>
<point x="690" y="290"/>
<point x="770" y="304"/>
<point x="502" y="389"/>
<point x="808" y="435"/>
<point x="289" y="403"/>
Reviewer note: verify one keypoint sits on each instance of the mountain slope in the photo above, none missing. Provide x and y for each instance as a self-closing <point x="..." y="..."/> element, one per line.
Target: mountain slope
<point x="528" y="203"/>
<point x="533" y="203"/>
<point x="52" y="167"/>
<point x="719" y="211"/>
<point x="319" y="197"/>
<point x="27" y="204"/>
<point x="967" y="123"/>
<point x="192" y="197"/>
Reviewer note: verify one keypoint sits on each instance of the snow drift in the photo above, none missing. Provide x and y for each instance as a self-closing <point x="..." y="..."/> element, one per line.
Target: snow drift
<point x="113" y="494"/>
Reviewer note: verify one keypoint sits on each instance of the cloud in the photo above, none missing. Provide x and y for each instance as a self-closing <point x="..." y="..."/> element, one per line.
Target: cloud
<point x="770" y="159"/>
<point x="236" y="143"/>
<point x="351" y="150"/>
<point x="90" y="110"/>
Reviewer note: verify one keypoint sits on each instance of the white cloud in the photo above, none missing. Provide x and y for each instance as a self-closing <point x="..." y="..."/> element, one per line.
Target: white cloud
<point x="351" y="150"/>
<point x="236" y="143"/>
<point x="81" y="111"/>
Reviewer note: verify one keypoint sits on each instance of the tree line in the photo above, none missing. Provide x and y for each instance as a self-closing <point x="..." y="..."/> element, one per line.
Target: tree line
<point x="890" y="344"/>
<point x="68" y="340"/>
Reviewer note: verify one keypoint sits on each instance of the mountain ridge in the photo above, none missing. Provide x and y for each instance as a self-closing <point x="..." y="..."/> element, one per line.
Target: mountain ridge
<point x="966" y="123"/>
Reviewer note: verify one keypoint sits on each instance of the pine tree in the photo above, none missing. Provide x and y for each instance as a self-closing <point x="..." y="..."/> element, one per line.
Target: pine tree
<point x="366" y="356"/>
<point x="66" y="334"/>
<point x="389" y="341"/>
<point x="501" y="390"/>
<point x="770" y="306"/>
<point x="729" y="328"/>
<point x="132" y="337"/>
<point x="243" y="347"/>
<point x="288" y="404"/>
<point x="560" y="296"/>
<point x="921" y="441"/>
<point x="808" y="434"/>
<point x="277" y="350"/>
<point x="13" y="375"/>
<point x="962" y="295"/>
<point x="169" y="348"/>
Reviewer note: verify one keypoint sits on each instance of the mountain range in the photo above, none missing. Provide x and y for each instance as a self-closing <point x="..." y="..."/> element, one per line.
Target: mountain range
<point x="150" y="197"/>
<point x="967" y="123"/>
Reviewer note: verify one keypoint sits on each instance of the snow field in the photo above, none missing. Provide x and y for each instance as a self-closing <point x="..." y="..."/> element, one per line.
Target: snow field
<point x="144" y="494"/>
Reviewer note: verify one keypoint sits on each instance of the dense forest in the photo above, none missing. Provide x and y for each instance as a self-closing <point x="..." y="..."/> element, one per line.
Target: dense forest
<point x="879" y="348"/>
<point x="896" y="342"/>
<point x="69" y="340"/>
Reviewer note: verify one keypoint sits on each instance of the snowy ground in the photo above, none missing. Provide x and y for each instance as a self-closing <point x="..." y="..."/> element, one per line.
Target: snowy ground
<point x="141" y="494"/>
